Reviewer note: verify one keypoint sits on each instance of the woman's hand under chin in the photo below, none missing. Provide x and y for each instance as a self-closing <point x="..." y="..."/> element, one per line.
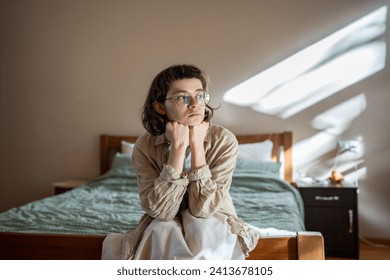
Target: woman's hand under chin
<point x="177" y="134"/>
<point x="198" y="133"/>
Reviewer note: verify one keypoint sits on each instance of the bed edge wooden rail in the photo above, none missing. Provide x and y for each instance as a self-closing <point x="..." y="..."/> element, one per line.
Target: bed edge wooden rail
<point x="30" y="246"/>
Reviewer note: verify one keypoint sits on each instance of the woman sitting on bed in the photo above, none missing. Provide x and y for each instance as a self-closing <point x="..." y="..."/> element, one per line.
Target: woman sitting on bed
<point x="184" y="167"/>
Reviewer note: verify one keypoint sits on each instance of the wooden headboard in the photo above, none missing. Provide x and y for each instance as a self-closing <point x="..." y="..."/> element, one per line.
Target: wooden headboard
<point x="281" y="151"/>
<point x="282" y="142"/>
<point x="109" y="145"/>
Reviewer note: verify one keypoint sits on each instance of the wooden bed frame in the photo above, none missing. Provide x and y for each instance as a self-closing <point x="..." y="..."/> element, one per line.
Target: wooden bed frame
<point x="282" y="147"/>
<point x="31" y="246"/>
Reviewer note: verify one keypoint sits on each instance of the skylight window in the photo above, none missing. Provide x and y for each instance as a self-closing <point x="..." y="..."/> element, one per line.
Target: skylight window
<point x="348" y="56"/>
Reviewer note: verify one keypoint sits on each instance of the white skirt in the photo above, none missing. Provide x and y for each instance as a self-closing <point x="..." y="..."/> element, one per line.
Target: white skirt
<point x="189" y="239"/>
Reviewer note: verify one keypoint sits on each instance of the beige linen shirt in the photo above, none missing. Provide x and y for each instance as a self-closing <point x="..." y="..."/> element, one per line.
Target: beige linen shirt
<point x="204" y="191"/>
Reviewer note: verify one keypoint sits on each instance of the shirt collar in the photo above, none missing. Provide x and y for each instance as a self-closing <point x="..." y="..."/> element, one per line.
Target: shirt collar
<point x="160" y="139"/>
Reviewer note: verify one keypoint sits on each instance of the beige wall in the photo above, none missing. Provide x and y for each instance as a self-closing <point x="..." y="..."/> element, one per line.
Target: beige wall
<point x="71" y="70"/>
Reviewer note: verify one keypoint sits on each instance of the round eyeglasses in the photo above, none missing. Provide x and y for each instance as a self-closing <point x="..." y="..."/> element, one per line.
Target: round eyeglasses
<point x="183" y="98"/>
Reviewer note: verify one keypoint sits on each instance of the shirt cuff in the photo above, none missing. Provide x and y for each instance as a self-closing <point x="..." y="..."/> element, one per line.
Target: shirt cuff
<point x="200" y="173"/>
<point x="168" y="173"/>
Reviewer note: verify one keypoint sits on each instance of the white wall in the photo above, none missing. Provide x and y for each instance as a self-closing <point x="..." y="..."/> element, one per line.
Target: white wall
<point x="71" y="70"/>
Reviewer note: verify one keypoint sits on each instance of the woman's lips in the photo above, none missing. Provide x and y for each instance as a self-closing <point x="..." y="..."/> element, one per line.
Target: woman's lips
<point x="194" y="115"/>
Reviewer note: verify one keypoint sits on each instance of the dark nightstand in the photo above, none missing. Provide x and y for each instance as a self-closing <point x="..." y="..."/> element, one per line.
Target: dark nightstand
<point x="333" y="211"/>
<point x="64" y="186"/>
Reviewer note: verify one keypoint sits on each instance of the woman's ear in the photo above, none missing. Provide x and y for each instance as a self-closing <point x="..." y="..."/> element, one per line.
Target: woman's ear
<point x="159" y="108"/>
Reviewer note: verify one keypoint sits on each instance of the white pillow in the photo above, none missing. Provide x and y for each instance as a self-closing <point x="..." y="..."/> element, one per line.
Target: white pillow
<point x="126" y="147"/>
<point x="261" y="151"/>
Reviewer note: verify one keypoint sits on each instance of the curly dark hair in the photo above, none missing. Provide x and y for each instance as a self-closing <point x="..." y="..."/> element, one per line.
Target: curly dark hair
<point x="154" y="122"/>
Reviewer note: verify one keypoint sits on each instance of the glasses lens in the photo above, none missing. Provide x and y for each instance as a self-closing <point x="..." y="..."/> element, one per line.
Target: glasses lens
<point x="203" y="98"/>
<point x="183" y="99"/>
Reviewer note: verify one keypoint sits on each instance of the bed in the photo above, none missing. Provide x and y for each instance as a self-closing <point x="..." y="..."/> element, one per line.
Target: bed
<point x="73" y="225"/>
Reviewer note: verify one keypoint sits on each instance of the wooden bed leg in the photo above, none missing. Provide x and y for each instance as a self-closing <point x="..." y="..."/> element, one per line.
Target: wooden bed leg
<point x="310" y="246"/>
